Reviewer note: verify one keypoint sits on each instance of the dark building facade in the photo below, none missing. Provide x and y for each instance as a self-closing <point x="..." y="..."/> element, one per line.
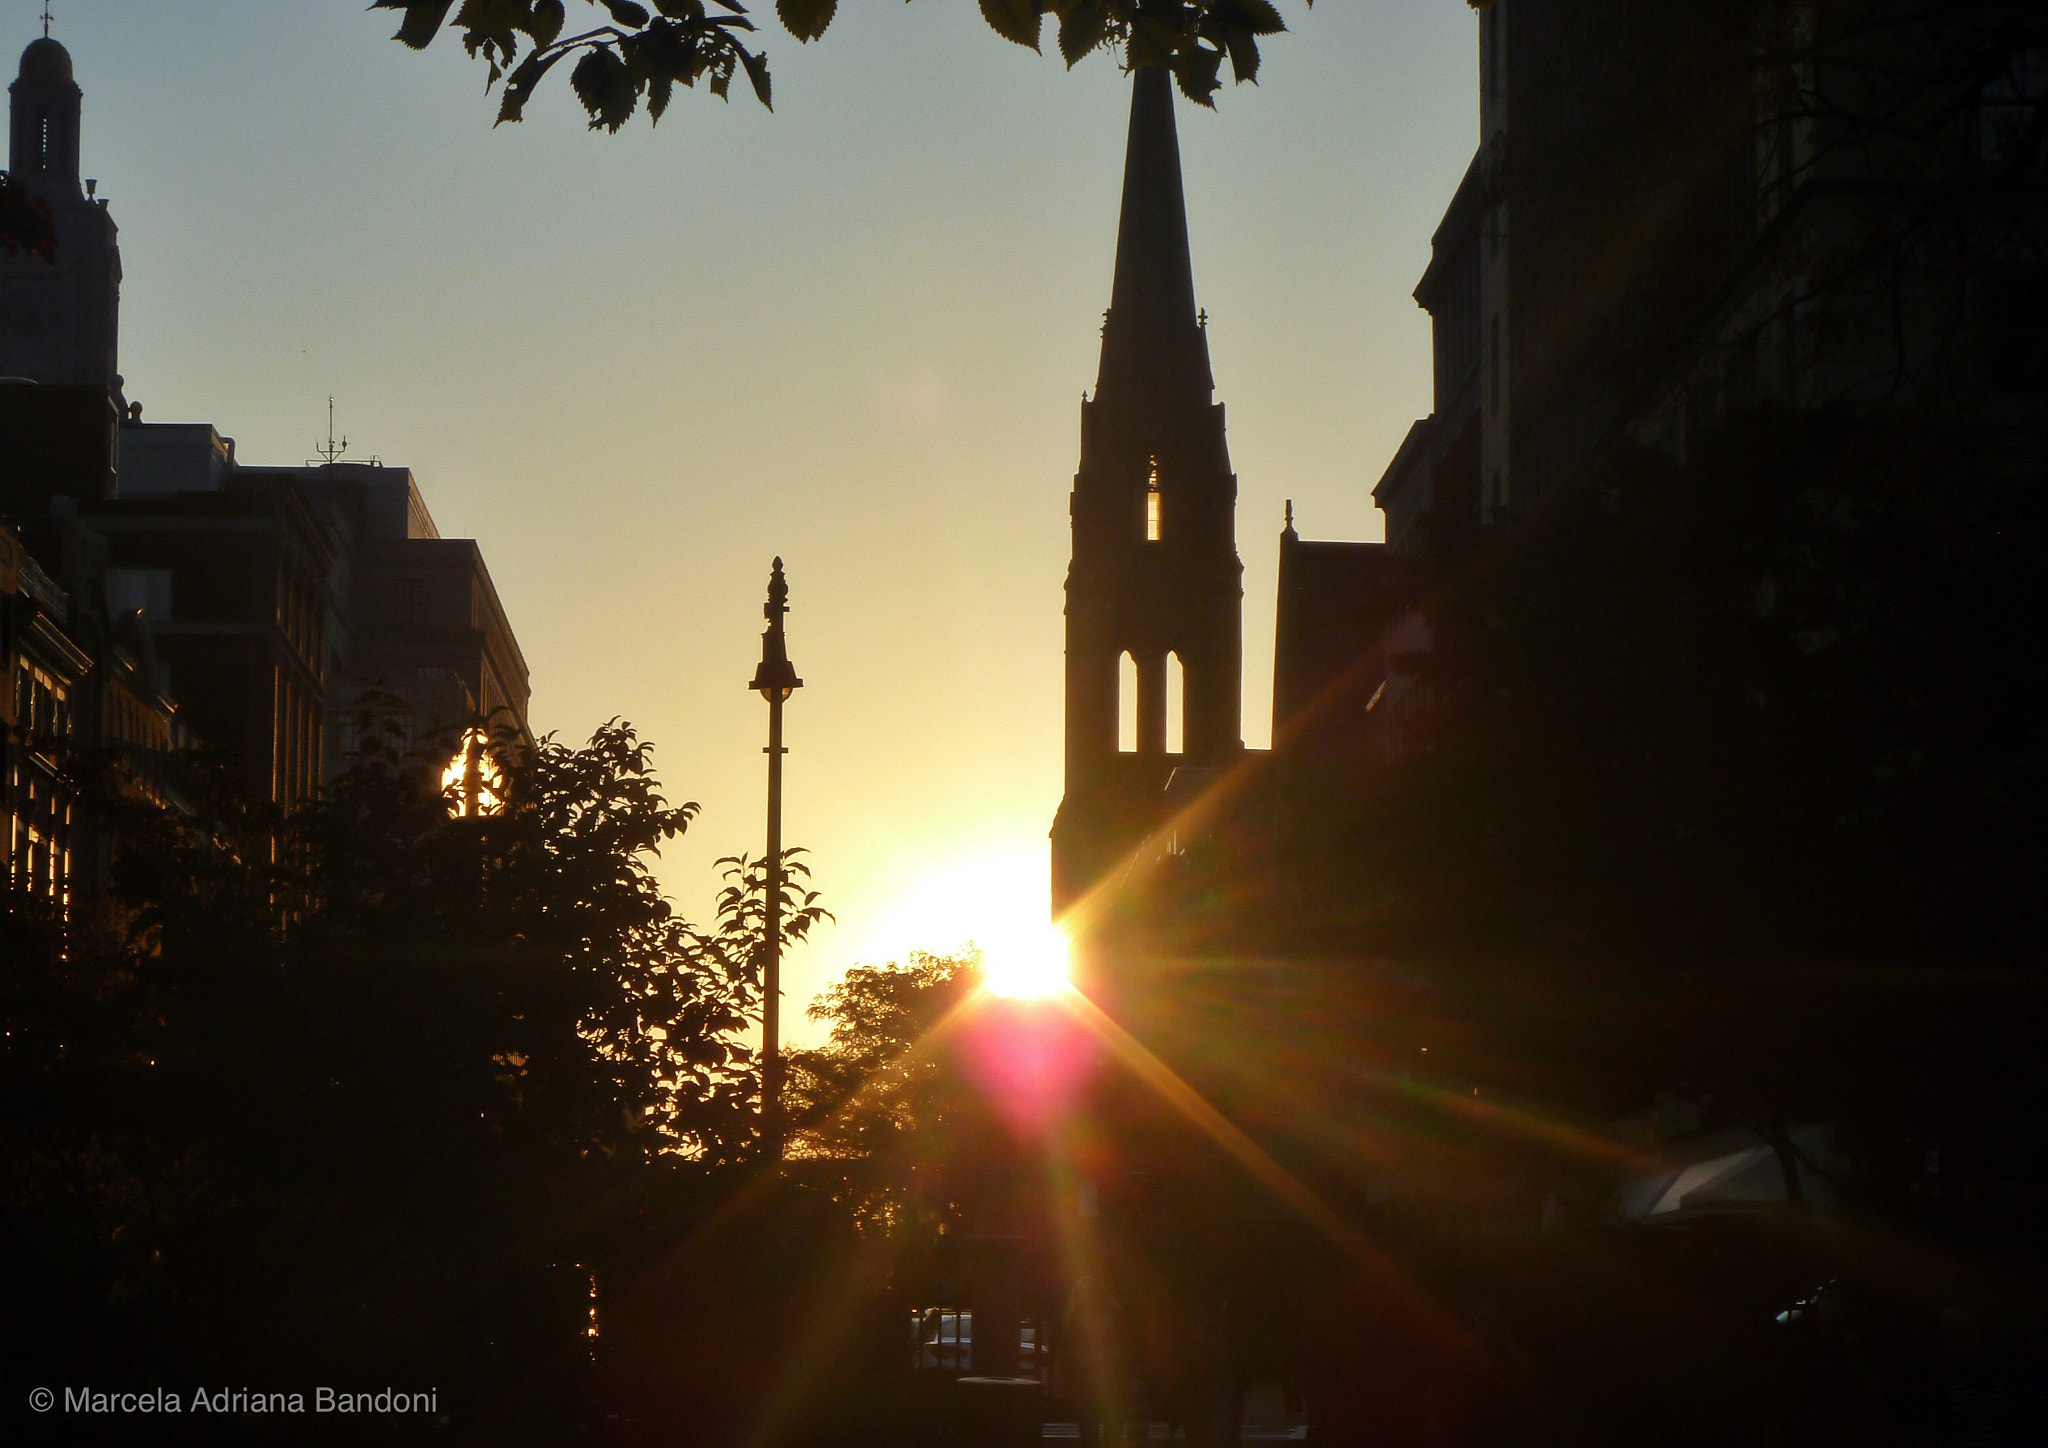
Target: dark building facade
<point x="1334" y="627"/>
<point x="233" y="584"/>
<point x="44" y="677"/>
<point x="1679" y="214"/>
<point x="370" y="619"/>
<point x="421" y="640"/>
<point x="77" y="669"/>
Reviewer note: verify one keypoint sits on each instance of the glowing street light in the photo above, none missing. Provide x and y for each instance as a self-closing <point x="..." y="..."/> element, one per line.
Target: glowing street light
<point x="775" y="681"/>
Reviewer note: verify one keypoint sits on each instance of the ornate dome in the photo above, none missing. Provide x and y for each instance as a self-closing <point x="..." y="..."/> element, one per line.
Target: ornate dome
<point x="45" y="63"/>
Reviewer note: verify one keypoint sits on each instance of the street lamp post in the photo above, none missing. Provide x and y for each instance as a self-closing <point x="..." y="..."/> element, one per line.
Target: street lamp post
<point x="775" y="681"/>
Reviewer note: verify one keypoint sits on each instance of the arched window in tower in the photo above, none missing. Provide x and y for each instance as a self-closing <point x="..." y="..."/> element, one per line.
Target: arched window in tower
<point x="1127" y="705"/>
<point x="1152" y="501"/>
<point x="1176" y="706"/>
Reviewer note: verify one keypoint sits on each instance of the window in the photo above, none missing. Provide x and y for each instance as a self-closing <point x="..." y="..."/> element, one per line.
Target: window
<point x="1127" y="705"/>
<point x="1176" y="706"/>
<point x="942" y="1338"/>
<point x="1152" y="503"/>
<point x="42" y="703"/>
<point x="41" y="826"/>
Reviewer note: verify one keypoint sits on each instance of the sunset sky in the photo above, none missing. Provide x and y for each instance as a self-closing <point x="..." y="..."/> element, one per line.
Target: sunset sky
<point x="853" y="332"/>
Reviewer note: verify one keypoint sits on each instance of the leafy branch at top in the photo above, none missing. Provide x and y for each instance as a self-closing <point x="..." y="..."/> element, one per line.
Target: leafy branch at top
<point x="638" y="53"/>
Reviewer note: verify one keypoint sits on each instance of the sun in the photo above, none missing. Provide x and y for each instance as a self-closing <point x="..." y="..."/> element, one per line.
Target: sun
<point x="994" y="900"/>
<point x="1027" y="963"/>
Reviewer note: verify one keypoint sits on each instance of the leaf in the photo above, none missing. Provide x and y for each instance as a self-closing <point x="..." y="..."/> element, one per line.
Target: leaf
<point x="1083" y="29"/>
<point x="626" y="13"/>
<point x="1257" y="16"/>
<point x="1244" y="56"/>
<point x="422" y="19"/>
<point x="546" y="23"/>
<point x="495" y="15"/>
<point x="1017" y="21"/>
<point x="606" y="87"/>
<point x="1195" y="70"/>
<point x="806" y="19"/>
<point x="658" y="92"/>
<point x="757" y="72"/>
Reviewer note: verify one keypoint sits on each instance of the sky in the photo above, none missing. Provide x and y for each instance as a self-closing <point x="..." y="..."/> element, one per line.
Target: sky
<point x="853" y="332"/>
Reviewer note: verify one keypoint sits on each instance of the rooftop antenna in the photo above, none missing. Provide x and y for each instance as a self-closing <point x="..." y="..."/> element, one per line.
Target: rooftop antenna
<point x="46" y="19"/>
<point x="333" y="450"/>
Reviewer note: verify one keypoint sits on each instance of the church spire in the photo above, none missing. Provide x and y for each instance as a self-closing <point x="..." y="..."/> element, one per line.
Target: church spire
<point x="1154" y="588"/>
<point x="1152" y="339"/>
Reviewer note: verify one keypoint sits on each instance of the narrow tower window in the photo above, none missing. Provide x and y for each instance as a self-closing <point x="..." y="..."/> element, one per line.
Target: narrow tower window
<point x="1176" y="706"/>
<point x="1152" y="502"/>
<point x="1127" y="705"/>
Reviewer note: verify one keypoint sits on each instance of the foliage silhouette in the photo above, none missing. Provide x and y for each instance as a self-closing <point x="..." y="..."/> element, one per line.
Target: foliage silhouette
<point x="882" y="1097"/>
<point x="638" y="54"/>
<point x="367" y="1089"/>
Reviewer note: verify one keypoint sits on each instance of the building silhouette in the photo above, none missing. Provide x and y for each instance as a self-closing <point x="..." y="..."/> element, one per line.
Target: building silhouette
<point x="160" y="595"/>
<point x="1154" y="634"/>
<point x="1155" y="586"/>
<point x="397" y="631"/>
<point x="1680" y="747"/>
<point x="232" y="583"/>
<point x="1672" y="220"/>
<point x="59" y="316"/>
<point x="1678" y="220"/>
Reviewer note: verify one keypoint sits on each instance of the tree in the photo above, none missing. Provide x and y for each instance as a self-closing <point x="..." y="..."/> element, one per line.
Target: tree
<point x="883" y="1096"/>
<point x="635" y="53"/>
<point x="379" y="1085"/>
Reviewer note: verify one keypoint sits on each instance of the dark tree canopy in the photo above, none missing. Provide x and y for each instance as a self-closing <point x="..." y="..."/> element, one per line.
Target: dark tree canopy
<point x="443" y="1073"/>
<point x="635" y="52"/>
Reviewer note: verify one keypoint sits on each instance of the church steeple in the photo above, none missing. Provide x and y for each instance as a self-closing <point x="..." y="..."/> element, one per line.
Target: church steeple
<point x="1155" y="586"/>
<point x="1152" y="340"/>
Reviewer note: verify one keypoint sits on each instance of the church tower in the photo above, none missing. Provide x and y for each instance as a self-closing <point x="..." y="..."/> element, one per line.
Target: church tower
<point x="58" y="314"/>
<point x="1154" y="590"/>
